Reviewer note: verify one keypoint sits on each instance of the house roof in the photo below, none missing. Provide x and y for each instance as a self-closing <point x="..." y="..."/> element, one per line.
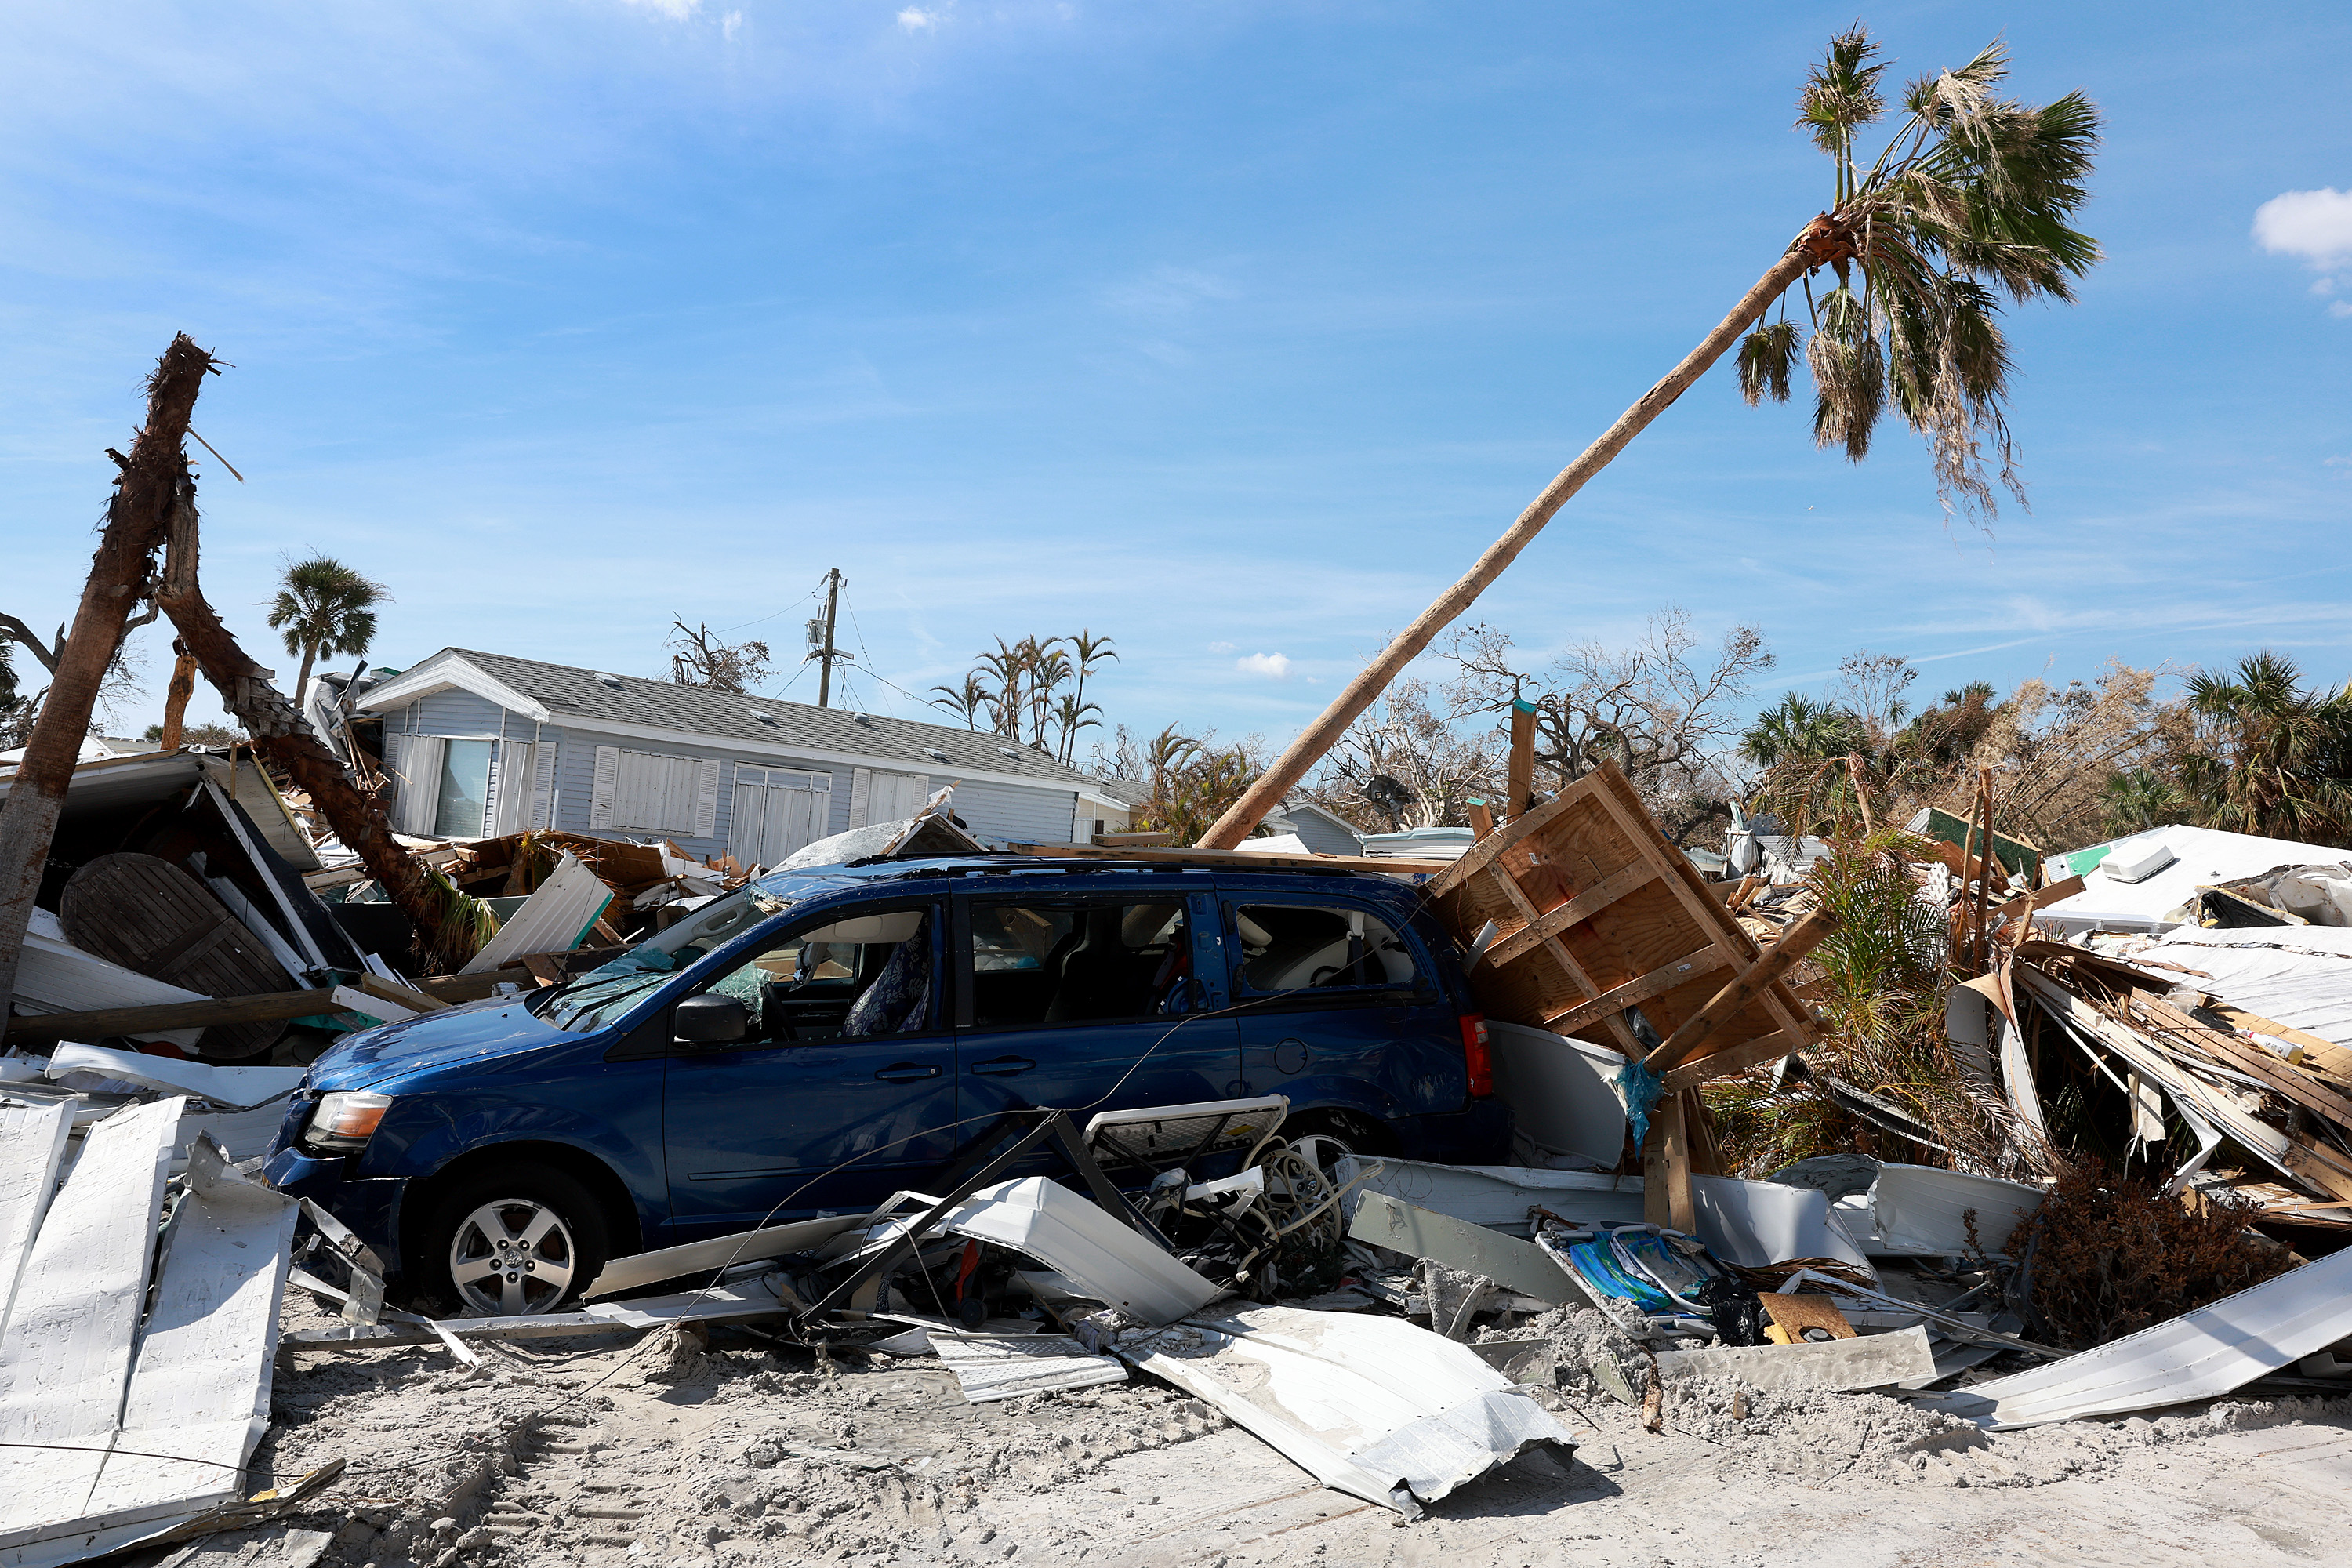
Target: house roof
<point x="562" y="693"/>
<point x="2201" y="856"/>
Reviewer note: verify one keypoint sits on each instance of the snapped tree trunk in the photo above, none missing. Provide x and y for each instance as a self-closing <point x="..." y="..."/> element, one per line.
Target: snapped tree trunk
<point x="1320" y="737"/>
<point x="148" y="492"/>
<point x="452" y="924"/>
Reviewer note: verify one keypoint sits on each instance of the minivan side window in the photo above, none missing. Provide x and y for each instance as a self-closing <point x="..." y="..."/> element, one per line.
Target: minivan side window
<point x="851" y="976"/>
<point x="1084" y="963"/>
<point x="1312" y="947"/>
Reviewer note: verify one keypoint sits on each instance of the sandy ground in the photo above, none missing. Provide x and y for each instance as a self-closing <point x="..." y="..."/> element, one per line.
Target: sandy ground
<point x="618" y="1451"/>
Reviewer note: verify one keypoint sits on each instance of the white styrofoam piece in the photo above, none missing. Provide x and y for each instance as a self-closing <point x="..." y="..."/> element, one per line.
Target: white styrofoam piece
<point x="1069" y="1234"/>
<point x="200" y="1384"/>
<point x="1921" y="1211"/>
<point x="1369" y="1406"/>
<point x="32" y="1149"/>
<point x="1866" y="1361"/>
<point x="52" y="975"/>
<point x="552" y="920"/>
<point x="1007" y="1366"/>
<point x="1560" y="1090"/>
<point x="65" y="1354"/>
<point x="1748" y="1223"/>
<point x="230" y="1088"/>
<point x="2199" y="1356"/>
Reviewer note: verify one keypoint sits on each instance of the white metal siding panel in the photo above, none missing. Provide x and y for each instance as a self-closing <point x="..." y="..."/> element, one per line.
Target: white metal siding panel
<point x="542" y="786"/>
<point x="65" y="1355"/>
<point x="32" y="1147"/>
<point x="861" y="790"/>
<point x="1009" y="812"/>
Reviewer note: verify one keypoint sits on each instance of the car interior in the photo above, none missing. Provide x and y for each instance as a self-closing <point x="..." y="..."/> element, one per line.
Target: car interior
<point x="1289" y="947"/>
<point x="1079" y="964"/>
<point x="869" y="975"/>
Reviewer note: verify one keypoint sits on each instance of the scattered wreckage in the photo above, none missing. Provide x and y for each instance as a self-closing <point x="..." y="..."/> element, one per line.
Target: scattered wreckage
<point x="1363" y="1315"/>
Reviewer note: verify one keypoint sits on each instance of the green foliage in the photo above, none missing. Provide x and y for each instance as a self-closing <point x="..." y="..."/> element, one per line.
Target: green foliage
<point x="1970" y="200"/>
<point x="2270" y="757"/>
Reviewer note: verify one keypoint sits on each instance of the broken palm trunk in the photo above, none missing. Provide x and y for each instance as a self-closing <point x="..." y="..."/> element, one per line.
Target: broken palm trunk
<point x="452" y="925"/>
<point x="1601" y="924"/>
<point x="152" y="488"/>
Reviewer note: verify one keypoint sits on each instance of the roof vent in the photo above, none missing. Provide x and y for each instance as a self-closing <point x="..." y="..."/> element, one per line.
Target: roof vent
<point x="764" y="718"/>
<point x="935" y="753"/>
<point x="612" y="680"/>
<point x="865" y="719"/>
<point x="1008" y="752"/>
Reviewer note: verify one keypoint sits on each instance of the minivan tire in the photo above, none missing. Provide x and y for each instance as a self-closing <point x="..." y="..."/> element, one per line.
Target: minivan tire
<point x="513" y="1241"/>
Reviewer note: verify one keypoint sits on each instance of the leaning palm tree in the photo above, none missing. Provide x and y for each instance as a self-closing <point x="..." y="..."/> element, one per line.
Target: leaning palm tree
<point x="1970" y="201"/>
<point x="324" y="608"/>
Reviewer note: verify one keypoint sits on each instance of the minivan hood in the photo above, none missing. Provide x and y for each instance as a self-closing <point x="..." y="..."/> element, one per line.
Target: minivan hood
<point x="436" y="1039"/>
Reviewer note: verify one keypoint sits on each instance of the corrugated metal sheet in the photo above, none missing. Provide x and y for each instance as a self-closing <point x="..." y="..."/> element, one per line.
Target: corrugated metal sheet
<point x="2298" y="975"/>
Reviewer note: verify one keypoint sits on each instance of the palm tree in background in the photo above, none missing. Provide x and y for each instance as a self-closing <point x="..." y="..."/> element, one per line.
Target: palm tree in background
<point x="324" y="608"/>
<point x="1803" y="745"/>
<point x="2271" y="756"/>
<point x="966" y="701"/>
<point x="1092" y="652"/>
<point x="1968" y="202"/>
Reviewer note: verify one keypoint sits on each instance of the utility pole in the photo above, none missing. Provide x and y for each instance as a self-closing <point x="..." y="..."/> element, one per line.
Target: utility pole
<point x="821" y="639"/>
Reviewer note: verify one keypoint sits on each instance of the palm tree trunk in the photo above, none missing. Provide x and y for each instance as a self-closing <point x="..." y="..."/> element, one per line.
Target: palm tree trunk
<point x="279" y="734"/>
<point x="1323" y="734"/>
<point x="302" y="682"/>
<point x="149" y="489"/>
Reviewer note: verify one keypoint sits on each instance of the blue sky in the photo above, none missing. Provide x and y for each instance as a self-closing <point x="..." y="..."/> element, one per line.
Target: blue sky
<point x="1232" y="329"/>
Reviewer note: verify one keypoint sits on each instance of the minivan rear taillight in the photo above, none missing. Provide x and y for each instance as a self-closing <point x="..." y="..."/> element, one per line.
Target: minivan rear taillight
<point x="1477" y="1056"/>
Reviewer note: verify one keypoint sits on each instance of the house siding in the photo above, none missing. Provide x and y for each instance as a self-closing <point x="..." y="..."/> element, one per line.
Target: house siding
<point x="992" y="811"/>
<point x="1009" y="812"/>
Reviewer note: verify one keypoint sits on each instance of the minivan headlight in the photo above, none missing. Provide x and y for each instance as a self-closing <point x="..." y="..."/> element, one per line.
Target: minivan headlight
<point x="345" y="1120"/>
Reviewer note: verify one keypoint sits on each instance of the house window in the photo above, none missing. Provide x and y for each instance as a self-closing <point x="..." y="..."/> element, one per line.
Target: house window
<point x="651" y="792"/>
<point x="464" y="793"/>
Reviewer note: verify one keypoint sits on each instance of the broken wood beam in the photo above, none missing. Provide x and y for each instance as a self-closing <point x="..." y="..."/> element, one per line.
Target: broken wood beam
<point x="268" y="1006"/>
<point x="1580" y="907"/>
<point x="1520" y="770"/>
<point x="1639" y="989"/>
<point x="1747" y="986"/>
<point x="1666" y="1169"/>
<point x="1739" y="1058"/>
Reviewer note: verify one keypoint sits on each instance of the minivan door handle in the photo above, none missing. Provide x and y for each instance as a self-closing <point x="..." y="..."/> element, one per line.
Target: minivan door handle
<point x="1004" y="1067"/>
<point x="907" y="1072"/>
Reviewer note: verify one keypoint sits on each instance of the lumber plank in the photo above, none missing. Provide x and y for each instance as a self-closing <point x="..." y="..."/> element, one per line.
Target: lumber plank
<point x="1580" y="907"/>
<point x="1731" y="1059"/>
<point x="1639" y="989"/>
<point x="1577" y="975"/>
<point x="2291" y="1082"/>
<point x="2325" y="1056"/>
<point x="1487" y="850"/>
<point x="1232" y="858"/>
<point x="1724" y="1005"/>
<point x="376" y="985"/>
<point x="456" y="988"/>
<point x="268" y="1005"/>
<point x="1666" y="1168"/>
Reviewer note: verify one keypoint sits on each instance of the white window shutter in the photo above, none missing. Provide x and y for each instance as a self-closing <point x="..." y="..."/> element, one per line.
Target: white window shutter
<point x="420" y="792"/>
<point x="510" y="788"/>
<point x="542" y="784"/>
<point x="395" y="768"/>
<point x="600" y="798"/>
<point x="706" y="799"/>
<point x="861" y="794"/>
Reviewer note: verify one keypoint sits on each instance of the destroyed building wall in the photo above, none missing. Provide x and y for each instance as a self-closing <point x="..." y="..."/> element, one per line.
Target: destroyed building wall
<point x="991" y="809"/>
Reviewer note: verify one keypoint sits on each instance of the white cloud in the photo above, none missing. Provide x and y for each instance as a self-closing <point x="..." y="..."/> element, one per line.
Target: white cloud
<point x="675" y="10"/>
<point x="915" y="19"/>
<point x="1273" y="666"/>
<point x="1220" y="647"/>
<point x="2315" y="224"/>
<point x="2340" y="308"/>
<point x="730" y="25"/>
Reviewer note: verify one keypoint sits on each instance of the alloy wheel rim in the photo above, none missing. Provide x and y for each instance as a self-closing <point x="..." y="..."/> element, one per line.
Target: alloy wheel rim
<point x="511" y="1257"/>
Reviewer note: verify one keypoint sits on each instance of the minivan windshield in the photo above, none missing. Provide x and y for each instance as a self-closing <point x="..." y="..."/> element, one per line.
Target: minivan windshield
<point x="605" y="992"/>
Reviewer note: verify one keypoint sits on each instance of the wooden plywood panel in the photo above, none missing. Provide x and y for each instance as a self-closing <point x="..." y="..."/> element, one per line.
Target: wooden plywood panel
<point x="147" y="914"/>
<point x="65" y="1354"/>
<point x="1641" y="914"/>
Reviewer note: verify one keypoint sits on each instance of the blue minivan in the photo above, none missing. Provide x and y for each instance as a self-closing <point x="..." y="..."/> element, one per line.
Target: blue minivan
<point x="819" y="1040"/>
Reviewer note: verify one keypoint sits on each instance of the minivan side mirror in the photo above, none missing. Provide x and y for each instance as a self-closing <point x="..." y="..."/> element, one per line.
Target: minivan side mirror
<point x="710" y="1020"/>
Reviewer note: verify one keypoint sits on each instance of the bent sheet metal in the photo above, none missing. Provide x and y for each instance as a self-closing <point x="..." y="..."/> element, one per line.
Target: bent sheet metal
<point x="1370" y="1407"/>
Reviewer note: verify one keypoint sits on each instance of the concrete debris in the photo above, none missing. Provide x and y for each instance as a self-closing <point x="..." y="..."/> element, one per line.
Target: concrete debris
<point x="1875" y="1361"/>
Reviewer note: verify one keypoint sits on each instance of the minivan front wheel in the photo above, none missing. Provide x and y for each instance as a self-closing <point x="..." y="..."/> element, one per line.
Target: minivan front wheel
<point x="517" y="1240"/>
